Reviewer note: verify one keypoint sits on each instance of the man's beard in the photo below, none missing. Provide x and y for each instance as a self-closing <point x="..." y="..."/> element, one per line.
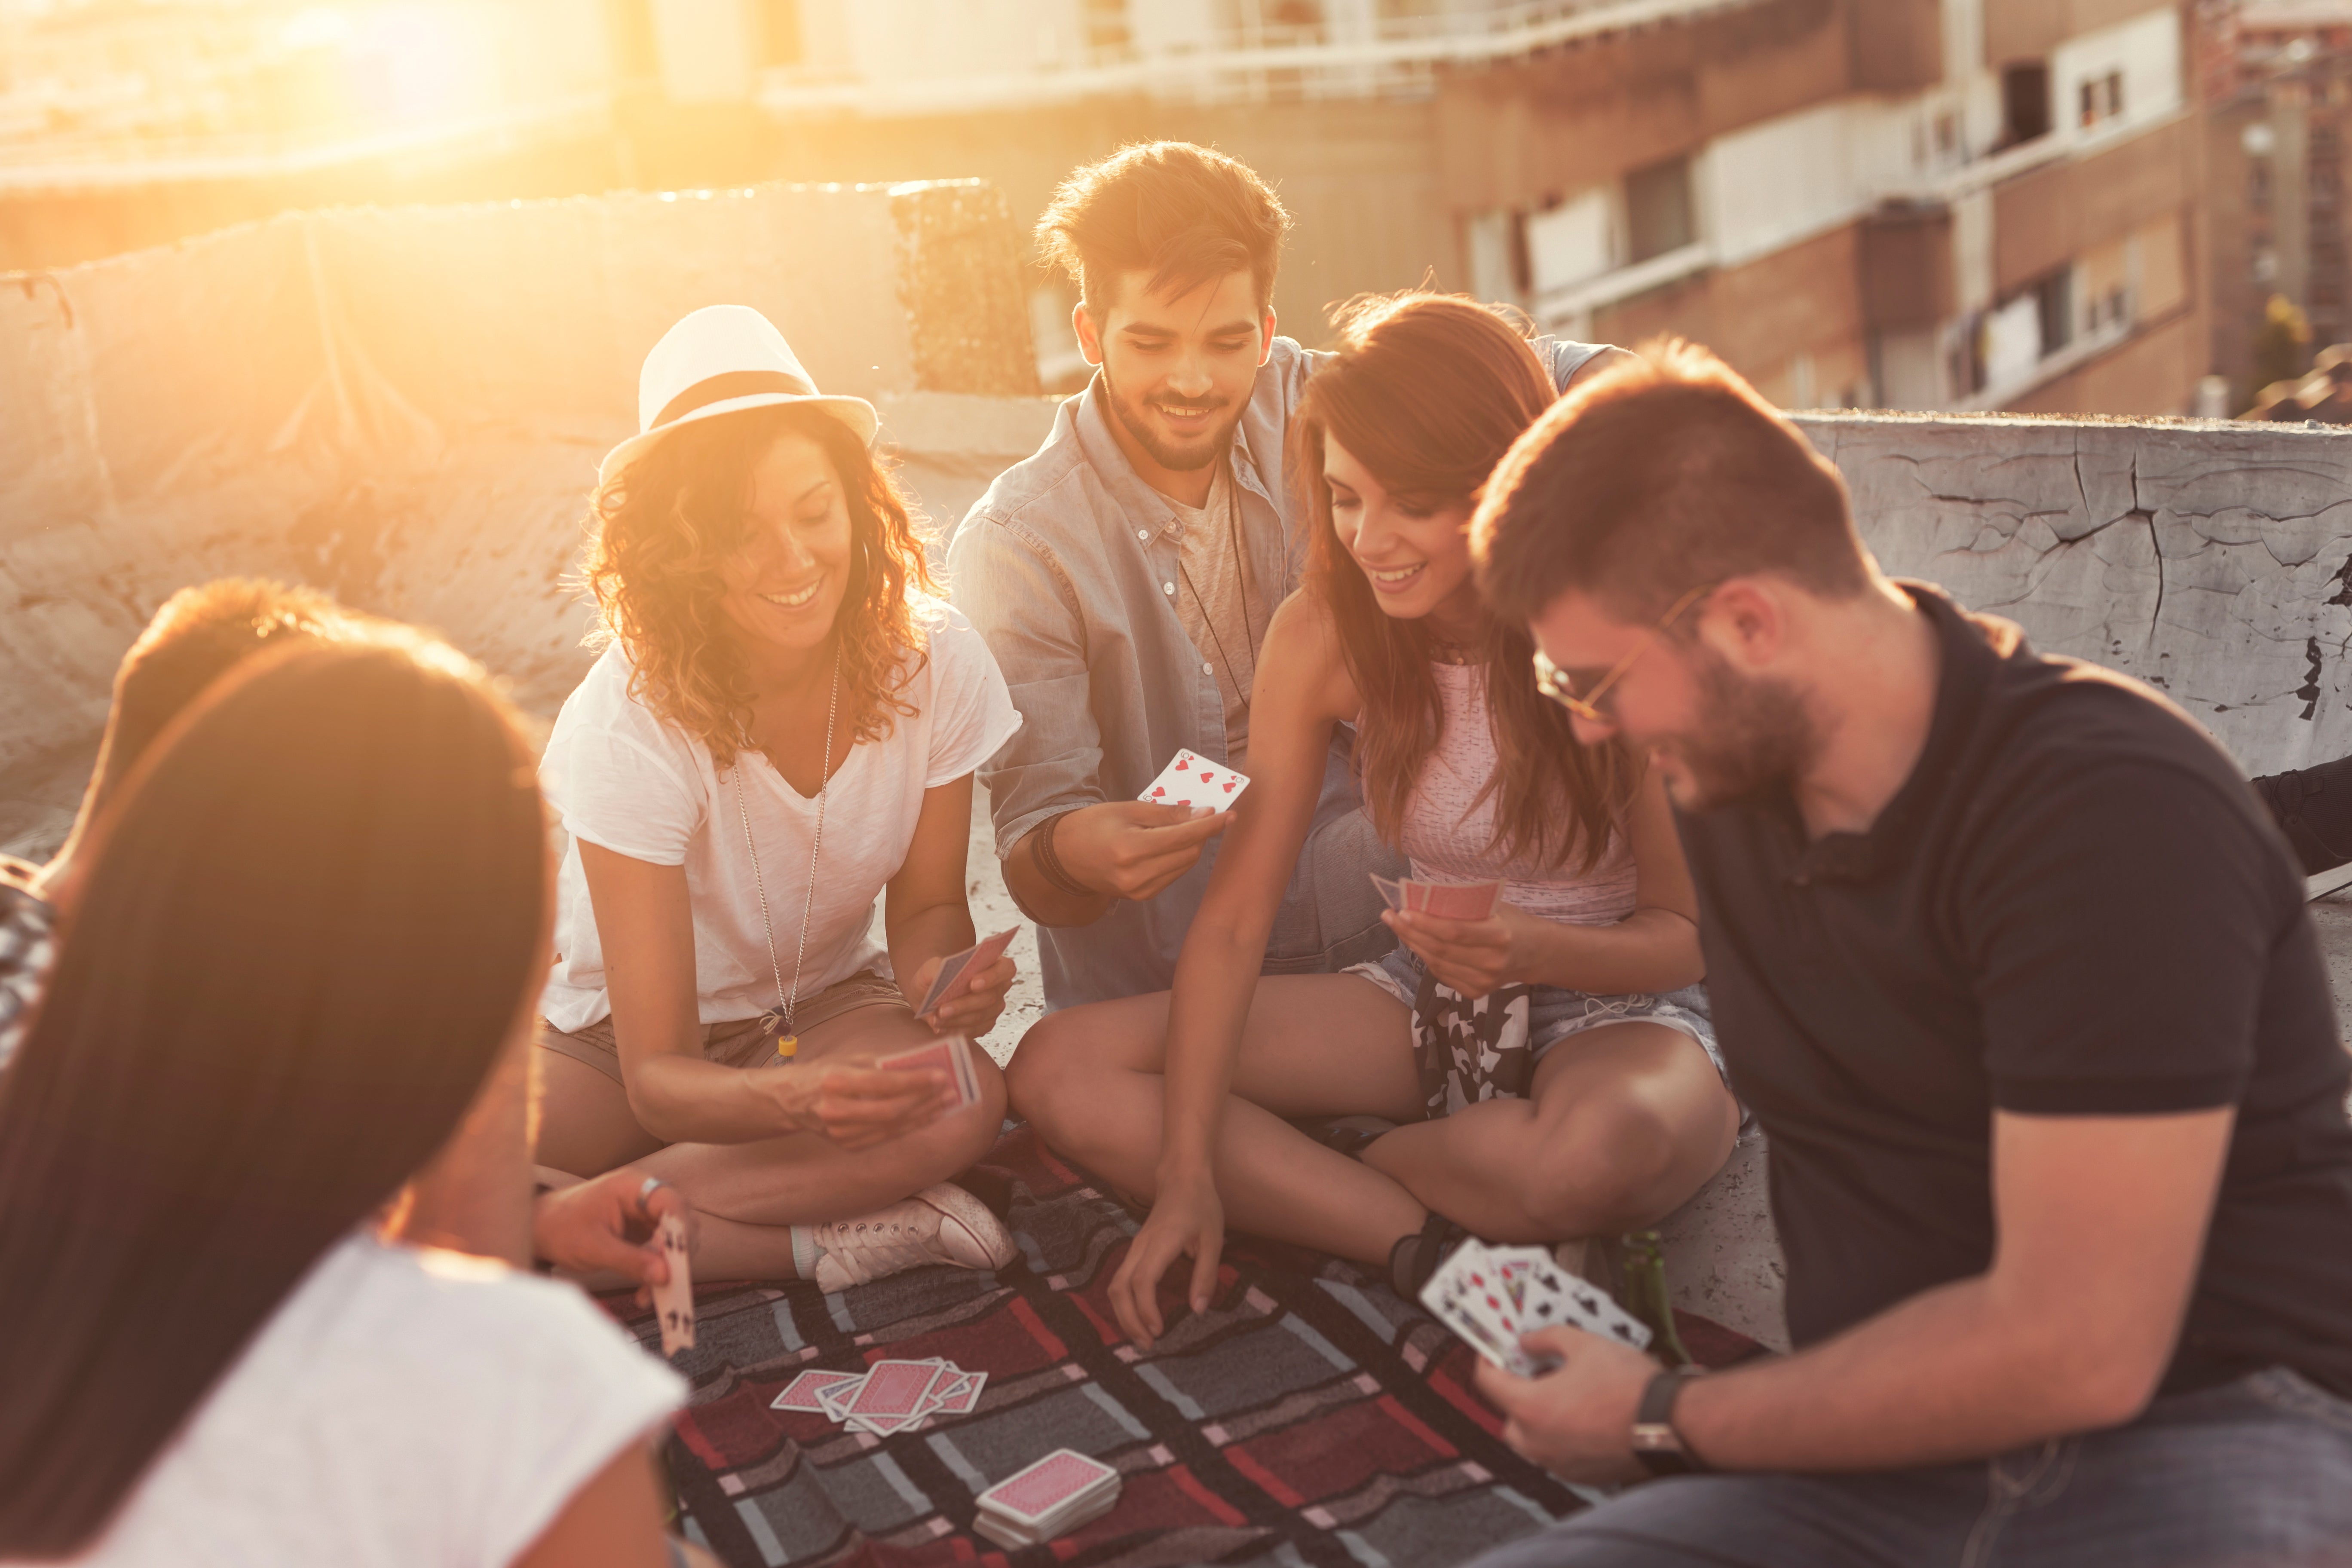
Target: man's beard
<point x="1753" y="737"/>
<point x="1177" y="459"/>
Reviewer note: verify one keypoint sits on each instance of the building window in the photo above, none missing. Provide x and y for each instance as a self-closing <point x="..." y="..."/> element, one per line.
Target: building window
<point x="2102" y="98"/>
<point x="780" y="32"/>
<point x="1106" y="25"/>
<point x="2024" y="102"/>
<point x="2054" y="300"/>
<point x="1658" y="212"/>
<point x="634" y="54"/>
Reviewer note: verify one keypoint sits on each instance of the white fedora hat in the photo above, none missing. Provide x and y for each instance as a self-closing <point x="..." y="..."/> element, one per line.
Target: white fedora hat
<point x="721" y="359"/>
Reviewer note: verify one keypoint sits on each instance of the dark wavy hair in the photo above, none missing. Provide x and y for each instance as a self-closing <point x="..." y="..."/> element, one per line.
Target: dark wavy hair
<point x="662" y="530"/>
<point x="309" y="922"/>
<point x="1428" y="390"/>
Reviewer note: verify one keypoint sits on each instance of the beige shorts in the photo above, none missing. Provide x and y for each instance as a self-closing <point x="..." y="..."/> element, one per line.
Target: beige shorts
<point x="736" y="1044"/>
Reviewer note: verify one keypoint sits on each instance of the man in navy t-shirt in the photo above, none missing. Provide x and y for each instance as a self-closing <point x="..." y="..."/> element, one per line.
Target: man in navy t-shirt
<point x="2014" y="971"/>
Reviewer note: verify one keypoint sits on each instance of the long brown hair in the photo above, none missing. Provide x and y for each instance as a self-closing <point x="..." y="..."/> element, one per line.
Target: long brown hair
<point x="662" y="531"/>
<point x="308" y="924"/>
<point x="1428" y="390"/>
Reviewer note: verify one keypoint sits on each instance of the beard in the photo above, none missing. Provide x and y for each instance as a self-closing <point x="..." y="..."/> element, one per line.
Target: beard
<point x="1136" y="422"/>
<point x="1753" y="737"/>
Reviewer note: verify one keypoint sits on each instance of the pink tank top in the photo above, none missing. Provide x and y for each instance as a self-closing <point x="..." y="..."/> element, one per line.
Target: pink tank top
<point x="1447" y="838"/>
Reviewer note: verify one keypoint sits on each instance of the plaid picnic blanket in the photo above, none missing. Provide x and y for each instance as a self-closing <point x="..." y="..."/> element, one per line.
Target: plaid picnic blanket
<point x="1309" y="1417"/>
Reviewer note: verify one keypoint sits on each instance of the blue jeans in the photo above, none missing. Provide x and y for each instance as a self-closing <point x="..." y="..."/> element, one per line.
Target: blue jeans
<point x="2252" y="1474"/>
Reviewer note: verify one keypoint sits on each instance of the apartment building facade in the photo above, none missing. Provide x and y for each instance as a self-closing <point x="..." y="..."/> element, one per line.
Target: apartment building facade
<point x="1911" y="203"/>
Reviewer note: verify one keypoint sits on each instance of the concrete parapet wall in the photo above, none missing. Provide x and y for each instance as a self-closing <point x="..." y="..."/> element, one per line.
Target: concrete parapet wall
<point x="407" y="404"/>
<point x="2211" y="560"/>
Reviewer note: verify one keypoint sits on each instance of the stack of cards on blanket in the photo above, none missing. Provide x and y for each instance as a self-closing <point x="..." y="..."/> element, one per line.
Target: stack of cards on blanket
<point x="1192" y="780"/>
<point x="1052" y="1498"/>
<point x="1492" y="1295"/>
<point x="890" y="1396"/>
<point x="1447" y="901"/>
<point x="950" y="1054"/>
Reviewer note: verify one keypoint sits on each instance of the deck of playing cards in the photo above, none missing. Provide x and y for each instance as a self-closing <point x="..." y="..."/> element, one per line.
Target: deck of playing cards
<point x="950" y="1054"/>
<point x="1192" y="780"/>
<point x="1052" y="1498"/>
<point x="674" y="1301"/>
<point x="889" y="1397"/>
<point x="952" y="968"/>
<point x="1447" y="901"/>
<point x="1492" y="1295"/>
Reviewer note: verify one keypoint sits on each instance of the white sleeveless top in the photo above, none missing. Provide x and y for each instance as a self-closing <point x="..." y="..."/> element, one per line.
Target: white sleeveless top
<point x="1448" y="838"/>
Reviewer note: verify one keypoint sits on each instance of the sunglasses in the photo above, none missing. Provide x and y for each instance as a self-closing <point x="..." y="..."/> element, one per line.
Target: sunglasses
<point x="1554" y="682"/>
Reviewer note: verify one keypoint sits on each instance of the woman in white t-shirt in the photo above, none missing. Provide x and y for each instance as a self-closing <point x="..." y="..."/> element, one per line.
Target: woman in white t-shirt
<point x="784" y="728"/>
<point x="290" y="1019"/>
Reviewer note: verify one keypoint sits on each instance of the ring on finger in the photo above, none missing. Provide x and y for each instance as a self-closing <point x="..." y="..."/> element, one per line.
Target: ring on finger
<point x="646" y="1192"/>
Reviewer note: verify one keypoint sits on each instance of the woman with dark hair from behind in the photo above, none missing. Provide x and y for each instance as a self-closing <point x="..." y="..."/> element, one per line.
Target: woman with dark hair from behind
<point x="294" y="1002"/>
<point x="1592" y="1104"/>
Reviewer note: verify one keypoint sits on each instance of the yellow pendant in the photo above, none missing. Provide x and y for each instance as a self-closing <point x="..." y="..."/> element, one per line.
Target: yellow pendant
<point x="787" y="1045"/>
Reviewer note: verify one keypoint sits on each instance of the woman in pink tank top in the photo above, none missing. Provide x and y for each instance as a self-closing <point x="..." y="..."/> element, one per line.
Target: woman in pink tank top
<point x="1548" y="1068"/>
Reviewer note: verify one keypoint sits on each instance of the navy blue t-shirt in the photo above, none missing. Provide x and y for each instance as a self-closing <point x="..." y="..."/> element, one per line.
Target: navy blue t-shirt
<point x="2075" y="906"/>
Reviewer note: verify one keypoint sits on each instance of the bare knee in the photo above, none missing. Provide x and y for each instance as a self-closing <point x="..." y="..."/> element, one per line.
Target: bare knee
<point x="1038" y="1077"/>
<point x="1605" y="1166"/>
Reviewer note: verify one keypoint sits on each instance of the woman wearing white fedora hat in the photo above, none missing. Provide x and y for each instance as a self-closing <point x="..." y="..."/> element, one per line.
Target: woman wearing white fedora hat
<point x="782" y="727"/>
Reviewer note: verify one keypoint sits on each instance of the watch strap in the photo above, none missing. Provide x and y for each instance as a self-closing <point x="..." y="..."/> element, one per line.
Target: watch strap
<point x="1656" y="1442"/>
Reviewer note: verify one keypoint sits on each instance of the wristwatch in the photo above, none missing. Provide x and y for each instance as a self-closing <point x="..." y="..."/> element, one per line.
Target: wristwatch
<point x="1656" y="1442"/>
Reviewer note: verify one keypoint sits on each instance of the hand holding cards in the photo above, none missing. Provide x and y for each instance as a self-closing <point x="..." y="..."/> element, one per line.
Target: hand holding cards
<point x="950" y="1053"/>
<point x="1490" y="1296"/>
<point x="1194" y="780"/>
<point x="973" y="961"/>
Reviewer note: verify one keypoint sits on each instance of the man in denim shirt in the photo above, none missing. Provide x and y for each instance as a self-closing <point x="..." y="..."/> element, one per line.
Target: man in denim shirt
<point x="1125" y="573"/>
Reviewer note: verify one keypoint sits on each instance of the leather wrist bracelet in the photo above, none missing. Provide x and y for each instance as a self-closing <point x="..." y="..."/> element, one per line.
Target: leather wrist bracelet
<point x="1654" y="1441"/>
<point x="1049" y="863"/>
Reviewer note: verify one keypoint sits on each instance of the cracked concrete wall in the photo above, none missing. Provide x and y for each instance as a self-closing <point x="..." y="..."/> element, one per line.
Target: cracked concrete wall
<point x="2211" y="560"/>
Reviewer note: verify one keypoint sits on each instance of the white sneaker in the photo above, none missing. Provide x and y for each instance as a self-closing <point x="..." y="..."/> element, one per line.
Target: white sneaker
<point x="938" y="1225"/>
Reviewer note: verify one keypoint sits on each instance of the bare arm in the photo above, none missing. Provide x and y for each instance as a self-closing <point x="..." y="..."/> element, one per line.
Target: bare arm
<point x="1654" y="948"/>
<point x="927" y="914"/>
<point x="645" y="919"/>
<point x="2101" y="1221"/>
<point x="611" y="1521"/>
<point x="1302" y="690"/>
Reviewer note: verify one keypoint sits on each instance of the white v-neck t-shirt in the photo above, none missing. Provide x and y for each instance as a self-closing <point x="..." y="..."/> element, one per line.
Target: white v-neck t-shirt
<point x="624" y="777"/>
<point x="400" y="1409"/>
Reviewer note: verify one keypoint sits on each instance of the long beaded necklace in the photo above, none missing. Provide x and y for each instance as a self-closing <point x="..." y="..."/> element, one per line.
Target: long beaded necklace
<point x="776" y="1023"/>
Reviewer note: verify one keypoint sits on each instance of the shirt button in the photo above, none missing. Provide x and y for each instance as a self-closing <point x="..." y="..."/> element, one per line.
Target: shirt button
<point x="1208" y="669"/>
<point x="1166" y="587"/>
<point x="1143" y="534"/>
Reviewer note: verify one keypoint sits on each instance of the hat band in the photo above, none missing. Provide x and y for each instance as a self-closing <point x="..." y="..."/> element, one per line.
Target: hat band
<point x="733" y="383"/>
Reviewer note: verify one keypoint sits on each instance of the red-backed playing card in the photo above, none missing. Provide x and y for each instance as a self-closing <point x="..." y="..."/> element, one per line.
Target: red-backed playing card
<point x="895" y="1389"/>
<point x="1045" y="1487"/>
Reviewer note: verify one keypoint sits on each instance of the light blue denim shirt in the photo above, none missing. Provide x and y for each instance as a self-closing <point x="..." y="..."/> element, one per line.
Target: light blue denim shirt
<point x="1065" y="565"/>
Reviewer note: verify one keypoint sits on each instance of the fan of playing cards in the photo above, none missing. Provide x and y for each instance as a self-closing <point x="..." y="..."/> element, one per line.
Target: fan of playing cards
<point x="887" y="1397"/>
<point x="1052" y="1498"/>
<point x="1492" y="1295"/>
<point x="1452" y="900"/>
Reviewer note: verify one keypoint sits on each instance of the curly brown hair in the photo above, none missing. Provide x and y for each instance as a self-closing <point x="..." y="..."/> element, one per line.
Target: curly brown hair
<point x="661" y="532"/>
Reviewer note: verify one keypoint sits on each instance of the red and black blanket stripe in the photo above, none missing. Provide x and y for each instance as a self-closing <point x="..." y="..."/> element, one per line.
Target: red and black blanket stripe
<point x="1309" y="1417"/>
